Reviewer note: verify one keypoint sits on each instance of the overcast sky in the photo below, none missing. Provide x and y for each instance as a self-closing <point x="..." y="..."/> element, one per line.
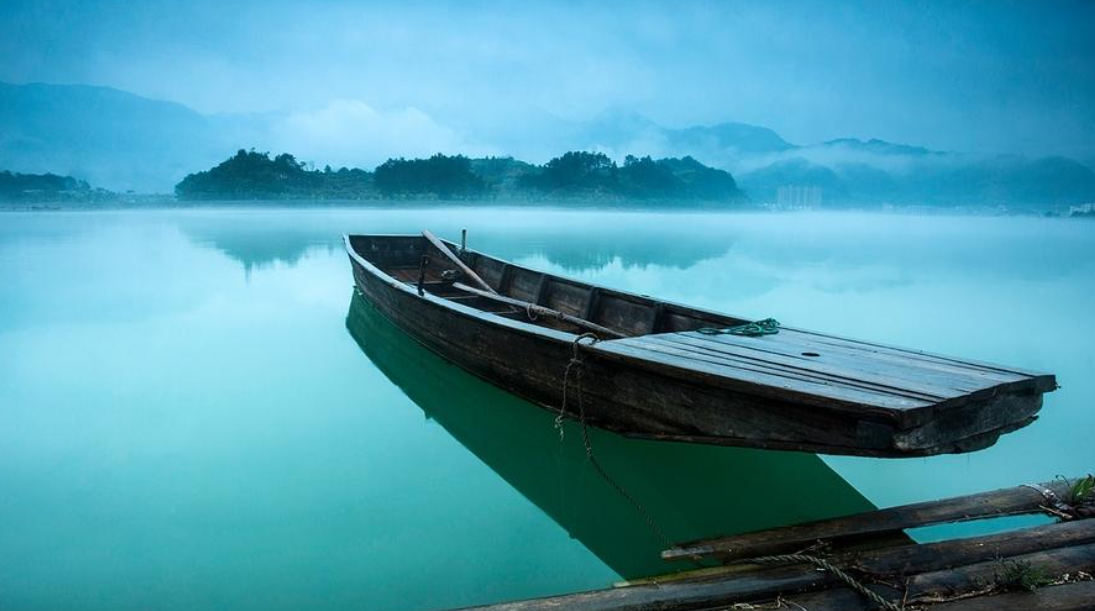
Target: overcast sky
<point x="976" y="76"/>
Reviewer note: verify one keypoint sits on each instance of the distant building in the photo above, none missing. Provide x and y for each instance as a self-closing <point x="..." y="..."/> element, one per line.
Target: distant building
<point x="795" y="196"/>
<point x="1082" y="210"/>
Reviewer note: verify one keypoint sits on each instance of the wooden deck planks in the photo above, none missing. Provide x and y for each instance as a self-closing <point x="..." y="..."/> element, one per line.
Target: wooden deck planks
<point x="843" y="370"/>
<point x="803" y="366"/>
<point x="810" y="389"/>
<point x="792" y="341"/>
<point x="938" y="379"/>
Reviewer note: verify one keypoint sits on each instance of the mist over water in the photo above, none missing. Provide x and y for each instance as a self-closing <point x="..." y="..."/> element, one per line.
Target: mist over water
<point x="198" y="415"/>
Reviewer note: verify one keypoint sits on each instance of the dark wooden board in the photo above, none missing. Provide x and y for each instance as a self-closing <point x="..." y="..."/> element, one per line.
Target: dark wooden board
<point x="1068" y="597"/>
<point x="908" y="559"/>
<point x="965" y="579"/>
<point x="972" y="575"/>
<point x="1006" y="501"/>
<point x="678" y="595"/>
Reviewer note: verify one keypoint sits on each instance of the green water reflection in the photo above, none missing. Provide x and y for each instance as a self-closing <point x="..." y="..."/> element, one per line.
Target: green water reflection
<point x="690" y="491"/>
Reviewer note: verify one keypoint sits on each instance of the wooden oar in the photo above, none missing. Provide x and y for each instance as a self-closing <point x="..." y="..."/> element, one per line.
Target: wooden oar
<point x="467" y="271"/>
<point x="540" y="310"/>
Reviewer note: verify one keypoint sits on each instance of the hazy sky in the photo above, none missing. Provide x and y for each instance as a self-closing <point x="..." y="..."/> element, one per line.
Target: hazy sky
<point x="979" y="76"/>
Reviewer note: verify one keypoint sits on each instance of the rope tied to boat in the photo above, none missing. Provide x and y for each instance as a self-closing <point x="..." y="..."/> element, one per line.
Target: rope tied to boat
<point x="575" y="370"/>
<point x="825" y="565"/>
<point x="767" y="326"/>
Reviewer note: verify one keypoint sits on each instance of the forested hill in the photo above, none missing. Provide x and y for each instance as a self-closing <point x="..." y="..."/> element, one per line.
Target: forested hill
<point x="16" y="187"/>
<point x="574" y="175"/>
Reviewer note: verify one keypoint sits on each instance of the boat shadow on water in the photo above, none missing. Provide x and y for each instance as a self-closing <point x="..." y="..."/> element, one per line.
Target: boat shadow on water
<point x="690" y="491"/>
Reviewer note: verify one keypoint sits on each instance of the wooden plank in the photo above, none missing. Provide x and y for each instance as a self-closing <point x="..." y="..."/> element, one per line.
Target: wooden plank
<point x="907" y="374"/>
<point x="541" y="310"/>
<point x="958" y="581"/>
<point x="785" y="367"/>
<point x="1069" y="597"/>
<point x="1003" y="502"/>
<point x="790" y="387"/>
<point x="464" y="269"/>
<point x="953" y="385"/>
<point x="809" y="588"/>
<point x="918" y="558"/>
<point x="900" y="356"/>
<point x="886" y="348"/>
<point x="1078" y="596"/>
<point x="678" y="595"/>
<point x="838" y="598"/>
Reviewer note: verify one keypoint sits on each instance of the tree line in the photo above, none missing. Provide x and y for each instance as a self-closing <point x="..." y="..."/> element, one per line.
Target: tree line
<point x="576" y="174"/>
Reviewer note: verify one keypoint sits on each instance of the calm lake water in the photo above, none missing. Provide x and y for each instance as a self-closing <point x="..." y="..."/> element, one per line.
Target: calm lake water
<point x="195" y="413"/>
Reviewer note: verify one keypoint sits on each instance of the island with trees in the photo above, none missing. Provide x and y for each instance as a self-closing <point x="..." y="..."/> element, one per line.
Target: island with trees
<point x="575" y="176"/>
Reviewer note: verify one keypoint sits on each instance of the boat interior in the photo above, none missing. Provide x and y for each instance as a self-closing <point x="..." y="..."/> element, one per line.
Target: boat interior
<point x="529" y="296"/>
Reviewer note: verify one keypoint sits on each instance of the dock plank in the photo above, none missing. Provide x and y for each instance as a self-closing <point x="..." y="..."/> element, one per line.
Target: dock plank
<point x="962" y="580"/>
<point x="1068" y="597"/>
<point x="1003" y="502"/>
<point x="924" y="557"/>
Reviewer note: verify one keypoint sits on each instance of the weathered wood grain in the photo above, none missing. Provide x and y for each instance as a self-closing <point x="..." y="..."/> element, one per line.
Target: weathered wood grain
<point x="1068" y="597"/>
<point x="941" y="555"/>
<point x="678" y="595"/>
<point x="961" y="580"/>
<point x="1003" y="502"/>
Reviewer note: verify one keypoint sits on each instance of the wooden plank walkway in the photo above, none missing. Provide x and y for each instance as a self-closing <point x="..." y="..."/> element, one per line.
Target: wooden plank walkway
<point x="1054" y="561"/>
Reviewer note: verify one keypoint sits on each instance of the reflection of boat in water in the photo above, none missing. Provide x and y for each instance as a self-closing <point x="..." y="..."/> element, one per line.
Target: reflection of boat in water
<point x="659" y="370"/>
<point x="691" y="491"/>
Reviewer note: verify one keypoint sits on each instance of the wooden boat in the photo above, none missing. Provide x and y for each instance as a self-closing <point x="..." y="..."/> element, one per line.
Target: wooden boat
<point x="653" y="369"/>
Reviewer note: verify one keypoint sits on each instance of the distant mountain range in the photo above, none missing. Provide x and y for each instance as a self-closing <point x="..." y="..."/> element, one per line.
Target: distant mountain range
<point x="122" y="141"/>
<point x="107" y="137"/>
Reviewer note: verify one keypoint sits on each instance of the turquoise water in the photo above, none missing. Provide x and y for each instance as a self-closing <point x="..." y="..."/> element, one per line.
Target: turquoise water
<point x="195" y="412"/>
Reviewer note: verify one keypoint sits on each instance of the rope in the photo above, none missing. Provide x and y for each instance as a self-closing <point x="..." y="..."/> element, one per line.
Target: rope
<point x="821" y="563"/>
<point x="575" y="369"/>
<point x="768" y="326"/>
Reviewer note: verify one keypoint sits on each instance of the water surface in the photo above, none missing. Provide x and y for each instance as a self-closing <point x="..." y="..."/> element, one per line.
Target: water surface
<point x="196" y="413"/>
